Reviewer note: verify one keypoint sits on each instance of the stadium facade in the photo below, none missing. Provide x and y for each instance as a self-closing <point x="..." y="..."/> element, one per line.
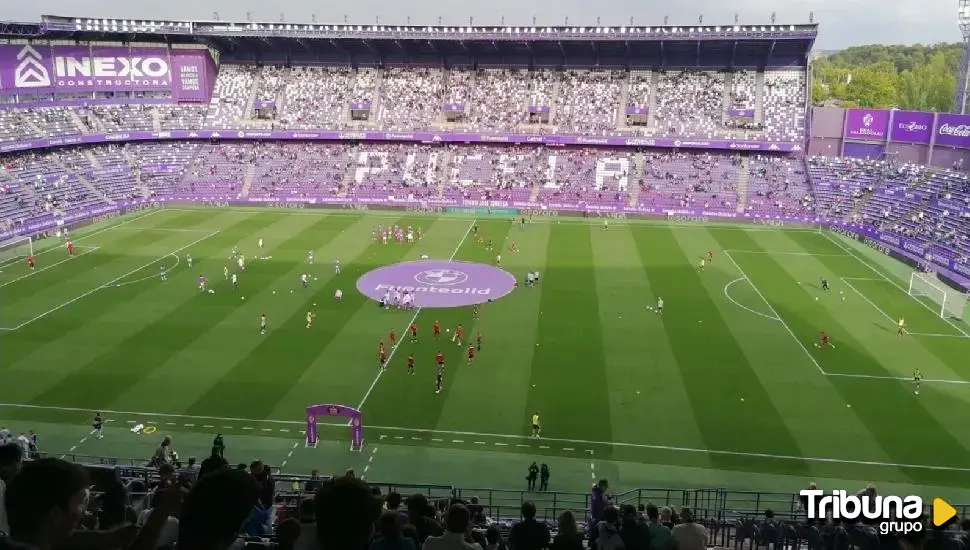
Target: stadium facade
<point x="644" y="103"/>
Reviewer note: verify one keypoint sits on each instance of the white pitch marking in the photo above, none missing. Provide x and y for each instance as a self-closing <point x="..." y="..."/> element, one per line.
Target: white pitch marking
<point x="512" y="437"/>
<point x="89" y="250"/>
<point x="773" y="253"/>
<point x="727" y="295"/>
<point x="775" y="313"/>
<point x="890" y="281"/>
<point x="109" y="283"/>
<point x="380" y="372"/>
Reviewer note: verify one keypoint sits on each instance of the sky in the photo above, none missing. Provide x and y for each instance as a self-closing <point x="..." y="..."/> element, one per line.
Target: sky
<point x="842" y="23"/>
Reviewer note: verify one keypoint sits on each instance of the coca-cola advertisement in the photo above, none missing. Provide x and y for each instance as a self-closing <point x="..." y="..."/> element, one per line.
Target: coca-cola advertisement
<point x="953" y="130"/>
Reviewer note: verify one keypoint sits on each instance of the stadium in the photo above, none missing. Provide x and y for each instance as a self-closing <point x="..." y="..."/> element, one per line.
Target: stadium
<point x="710" y="291"/>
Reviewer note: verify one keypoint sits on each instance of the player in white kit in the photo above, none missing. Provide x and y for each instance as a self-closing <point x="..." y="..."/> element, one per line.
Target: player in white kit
<point x="305" y="280"/>
<point x="260" y="243"/>
<point x="336" y="266"/>
<point x="241" y="263"/>
<point x="235" y="282"/>
<point x="339" y="295"/>
<point x="225" y="272"/>
<point x="660" y="306"/>
<point x="309" y="257"/>
<point x="188" y="259"/>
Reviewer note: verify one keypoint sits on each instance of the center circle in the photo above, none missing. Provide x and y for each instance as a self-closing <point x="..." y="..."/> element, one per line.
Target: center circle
<point x="437" y="283"/>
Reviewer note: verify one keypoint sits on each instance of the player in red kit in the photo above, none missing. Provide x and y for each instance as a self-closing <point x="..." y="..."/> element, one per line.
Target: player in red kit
<point x="380" y="346"/>
<point x="459" y="334"/>
<point x="414" y="332"/>
<point x="478" y="341"/>
<point x="436" y="329"/>
<point x="710" y="256"/>
<point x="411" y="363"/>
<point x="824" y="341"/>
<point x="70" y="247"/>
<point x="392" y="336"/>
<point x="439" y="359"/>
<point x="471" y="354"/>
<point x="382" y="357"/>
<point x="31" y="263"/>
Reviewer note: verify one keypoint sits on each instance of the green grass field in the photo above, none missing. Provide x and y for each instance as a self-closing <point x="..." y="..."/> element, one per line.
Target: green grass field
<point x="725" y="390"/>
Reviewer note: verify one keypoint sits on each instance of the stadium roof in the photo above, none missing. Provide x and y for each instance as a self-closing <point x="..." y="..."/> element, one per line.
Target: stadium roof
<point x="679" y="45"/>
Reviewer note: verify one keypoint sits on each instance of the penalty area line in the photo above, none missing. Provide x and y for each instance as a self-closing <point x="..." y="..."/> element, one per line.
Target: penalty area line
<point x="727" y="295"/>
<point x="417" y="312"/>
<point x="87" y="250"/>
<point x="109" y="283"/>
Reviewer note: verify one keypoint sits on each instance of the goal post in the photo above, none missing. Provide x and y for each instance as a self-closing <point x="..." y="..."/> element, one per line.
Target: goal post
<point x="950" y="303"/>
<point x="15" y="250"/>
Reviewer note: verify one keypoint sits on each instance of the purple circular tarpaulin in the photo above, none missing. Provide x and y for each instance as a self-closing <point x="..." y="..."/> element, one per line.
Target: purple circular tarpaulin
<point x="439" y="283"/>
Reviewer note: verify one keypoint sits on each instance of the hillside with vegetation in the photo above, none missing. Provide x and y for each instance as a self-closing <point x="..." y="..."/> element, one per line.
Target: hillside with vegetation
<point x="918" y="77"/>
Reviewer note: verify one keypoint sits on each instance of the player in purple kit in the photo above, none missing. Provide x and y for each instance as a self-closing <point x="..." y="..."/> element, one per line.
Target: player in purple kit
<point x="202" y="283"/>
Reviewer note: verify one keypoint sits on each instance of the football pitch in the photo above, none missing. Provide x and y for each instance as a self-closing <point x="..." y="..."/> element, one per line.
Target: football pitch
<point x="725" y="389"/>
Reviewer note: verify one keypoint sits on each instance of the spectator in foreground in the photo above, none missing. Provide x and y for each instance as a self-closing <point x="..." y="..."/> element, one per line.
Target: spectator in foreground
<point x="11" y="458"/>
<point x="568" y="537"/>
<point x="169" y="533"/>
<point x="308" y="526"/>
<point x="493" y="538"/>
<point x="215" y="509"/>
<point x="608" y="530"/>
<point x="345" y="514"/>
<point x="529" y="534"/>
<point x="288" y="533"/>
<point x="422" y="517"/>
<point x="115" y="510"/>
<point x="689" y="535"/>
<point x="456" y="537"/>
<point x="635" y="533"/>
<point x="659" y="533"/>
<point x="391" y="538"/>
<point x="45" y="503"/>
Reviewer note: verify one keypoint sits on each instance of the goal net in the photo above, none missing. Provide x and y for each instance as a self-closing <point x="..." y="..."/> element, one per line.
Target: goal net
<point x="926" y="287"/>
<point x="15" y="250"/>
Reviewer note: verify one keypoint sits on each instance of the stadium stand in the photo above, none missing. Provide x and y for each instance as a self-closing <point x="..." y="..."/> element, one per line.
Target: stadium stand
<point x="929" y="204"/>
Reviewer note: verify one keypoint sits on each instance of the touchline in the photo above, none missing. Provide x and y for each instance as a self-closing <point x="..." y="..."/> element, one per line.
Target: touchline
<point x="892" y="513"/>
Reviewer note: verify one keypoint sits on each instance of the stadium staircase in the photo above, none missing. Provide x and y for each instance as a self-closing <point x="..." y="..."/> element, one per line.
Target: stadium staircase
<point x="156" y="122"/>
<point x="445" y="166"/>
<point x="554" y="100"/>
<point x="136" y="171"/>
<point x="84" y="180"/>
<point x="345" y="115"/>
<point x="759" y="97"/>
<point x="726" y="102"/>
<point x="375" y="109"/>
<point x="634" y="182"/>
<point x="95" y="163"/>
<point x="624" y="101"/>
<point x="652" y="106"/>
<point x="743" y="185"/>
<point x="248" y="180"/>
<point x="253" y="92"/>
<point x="858" y="206"/>
<point x="347" y="183"/>
<point x="77" y="121"/>
<point x="441" y="120"/>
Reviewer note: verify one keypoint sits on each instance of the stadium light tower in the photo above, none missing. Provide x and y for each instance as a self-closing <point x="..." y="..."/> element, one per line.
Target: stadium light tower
<point x="963" y="77"/>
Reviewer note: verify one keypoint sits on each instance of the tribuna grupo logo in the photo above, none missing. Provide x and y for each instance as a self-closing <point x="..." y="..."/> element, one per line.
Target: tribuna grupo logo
<point x="891" y="514"/>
